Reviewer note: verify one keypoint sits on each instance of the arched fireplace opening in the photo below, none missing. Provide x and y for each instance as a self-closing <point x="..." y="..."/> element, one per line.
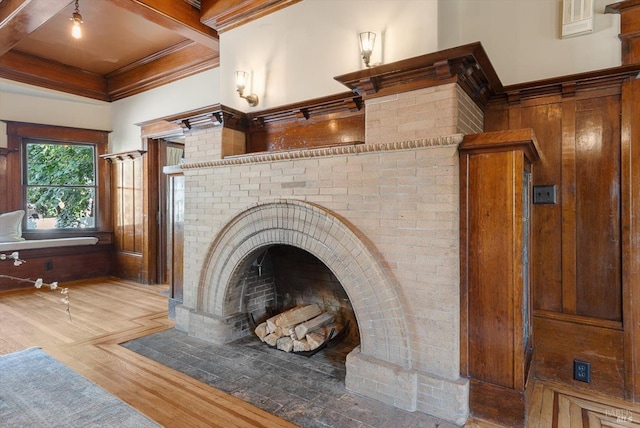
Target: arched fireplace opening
<point x="281" y="277"/>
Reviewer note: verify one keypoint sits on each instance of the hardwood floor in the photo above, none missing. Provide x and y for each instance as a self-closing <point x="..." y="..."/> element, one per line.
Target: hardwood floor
<point x="109" y="311"/>
<point x="558" y="406"/>
<point x="103" y="314"/>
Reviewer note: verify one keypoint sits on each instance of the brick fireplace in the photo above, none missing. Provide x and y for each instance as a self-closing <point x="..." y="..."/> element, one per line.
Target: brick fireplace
<point x="382" y="216"/>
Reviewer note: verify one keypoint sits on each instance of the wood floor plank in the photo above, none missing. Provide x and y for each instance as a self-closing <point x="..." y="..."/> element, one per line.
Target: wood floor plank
<point x="104" y="313"/>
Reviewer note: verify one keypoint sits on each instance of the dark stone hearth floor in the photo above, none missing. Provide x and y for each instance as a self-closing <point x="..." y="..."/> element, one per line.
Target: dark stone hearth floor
<point x="309" y="392"/>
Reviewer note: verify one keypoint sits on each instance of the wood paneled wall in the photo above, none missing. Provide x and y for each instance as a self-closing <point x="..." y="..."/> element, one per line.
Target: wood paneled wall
<point x="576" y="255"/>
<point x="128" y="184"/>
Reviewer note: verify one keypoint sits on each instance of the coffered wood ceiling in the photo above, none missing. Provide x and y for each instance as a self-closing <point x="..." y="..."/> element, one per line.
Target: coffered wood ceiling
<point x="128" y="46"/>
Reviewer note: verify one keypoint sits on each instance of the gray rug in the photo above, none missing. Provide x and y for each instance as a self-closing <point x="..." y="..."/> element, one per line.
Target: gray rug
<point x="38" y="391"/>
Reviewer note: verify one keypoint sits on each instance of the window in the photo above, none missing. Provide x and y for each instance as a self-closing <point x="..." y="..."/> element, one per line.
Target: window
<point x="60" y="185"/>
<point x="57" y="175"/>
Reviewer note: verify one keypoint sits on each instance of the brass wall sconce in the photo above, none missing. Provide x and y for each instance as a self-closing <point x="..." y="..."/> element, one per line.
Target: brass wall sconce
<point x="241" y="82"/>
<point x="367" y="41"/>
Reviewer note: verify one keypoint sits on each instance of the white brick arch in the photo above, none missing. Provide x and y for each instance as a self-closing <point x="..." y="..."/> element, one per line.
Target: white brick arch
<point x="380" y="316"/>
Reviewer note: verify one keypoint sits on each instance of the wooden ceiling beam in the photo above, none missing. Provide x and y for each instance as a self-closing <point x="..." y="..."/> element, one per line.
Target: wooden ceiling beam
<point x="47" y="74"/>
<point x="19" y="18"/>
<point x="224" y="15"/>
<point x="176" y="62"/>
<point x="176" y="16"/>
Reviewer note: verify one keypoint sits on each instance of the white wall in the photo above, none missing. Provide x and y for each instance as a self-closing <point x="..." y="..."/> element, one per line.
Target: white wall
<point x="187" y="94"/>
<point x="522" y="37"/>
<point x="294" y="54"/>
<point x="25" y="103"/>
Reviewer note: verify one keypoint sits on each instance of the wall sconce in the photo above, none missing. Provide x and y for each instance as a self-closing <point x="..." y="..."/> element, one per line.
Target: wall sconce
<point x="76" y="18"/>
<point x="367" y="40"/>
<point x="241" y="82"/>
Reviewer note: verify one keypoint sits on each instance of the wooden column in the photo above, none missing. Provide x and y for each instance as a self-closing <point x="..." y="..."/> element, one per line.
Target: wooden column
<point x="630" y="118"/>
<point x="495" y="306"/>
<point x="629" y="11"/>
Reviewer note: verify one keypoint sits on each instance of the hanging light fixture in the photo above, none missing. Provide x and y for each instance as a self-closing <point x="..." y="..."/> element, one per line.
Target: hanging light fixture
<point x="76" y="18"/>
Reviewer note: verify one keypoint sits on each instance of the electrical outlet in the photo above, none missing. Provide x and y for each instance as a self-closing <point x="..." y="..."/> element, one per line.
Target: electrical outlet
<point x="582" y="371"/>
<point x="544" y="194"/>
<point x="48" y="265"/>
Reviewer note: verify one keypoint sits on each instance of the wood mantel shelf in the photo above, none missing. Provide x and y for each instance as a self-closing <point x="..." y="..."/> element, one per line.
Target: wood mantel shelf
<point x="467" y="65"/>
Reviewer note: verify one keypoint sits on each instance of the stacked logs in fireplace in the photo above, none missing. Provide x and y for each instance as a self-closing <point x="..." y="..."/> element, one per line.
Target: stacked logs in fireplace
<point x="301" y="329"/>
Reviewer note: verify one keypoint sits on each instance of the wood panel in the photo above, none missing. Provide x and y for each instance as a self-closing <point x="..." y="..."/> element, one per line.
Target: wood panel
<point x="491" y="334"/>
<point x="331" y="120"/>
<point x="597" y="211"/>
<point x="577" y="244"/>
<point x="630" y="186"/>
<point x="331" y="130"/>
<point x="128" y="213"/>
<point x="559" y="342"/>
<point x="546" y="220"/>
<point x="6" y="188"/>
<point x="65" y="264"/>
<point x="496" y="404"/>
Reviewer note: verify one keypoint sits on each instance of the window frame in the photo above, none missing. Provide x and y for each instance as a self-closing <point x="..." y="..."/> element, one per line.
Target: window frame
<point x="25" y="181"/>
<point x="19" y="135"/>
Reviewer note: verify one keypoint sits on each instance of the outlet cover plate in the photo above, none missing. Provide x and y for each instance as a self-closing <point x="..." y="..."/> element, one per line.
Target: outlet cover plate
<point x="545" y="194"/>
<point x="582" y="371"/>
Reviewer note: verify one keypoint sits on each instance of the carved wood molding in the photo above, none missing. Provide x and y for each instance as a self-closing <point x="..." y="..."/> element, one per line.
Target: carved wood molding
<point x="345" y="102"/>
<point x="179" y="61"/>
<point x="223" y="15"/>
<point x="467" y="65"/>
<point x="207" y="117"/>
<point x="219" y="115"/>
<point x="123" y="156"/>
<point x="568" y="86"/>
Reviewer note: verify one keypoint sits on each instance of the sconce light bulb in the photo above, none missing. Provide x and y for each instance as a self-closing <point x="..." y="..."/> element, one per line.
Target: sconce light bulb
<point x="367" y="41"/>
<point x="241" y="81"/>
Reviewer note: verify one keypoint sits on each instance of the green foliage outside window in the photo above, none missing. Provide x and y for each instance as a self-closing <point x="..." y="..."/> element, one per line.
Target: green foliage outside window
<point x="61" y="185"/>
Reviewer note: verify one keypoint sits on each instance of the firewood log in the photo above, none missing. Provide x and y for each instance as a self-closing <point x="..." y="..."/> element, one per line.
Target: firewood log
<point x="313" y="324"/>
<point x="297" y="315"/>
<point x="261" y="331"/>
<point x="271" y="339"/>
<point x="301" y="345"/>
<point x="285" y="343"/>
<point x="315" y="339"/>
